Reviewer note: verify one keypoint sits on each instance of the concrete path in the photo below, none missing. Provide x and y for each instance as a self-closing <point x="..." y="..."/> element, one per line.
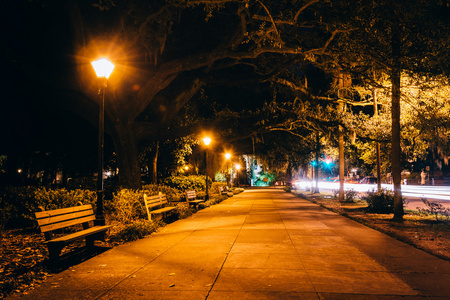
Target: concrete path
<point x="261" y="244"/>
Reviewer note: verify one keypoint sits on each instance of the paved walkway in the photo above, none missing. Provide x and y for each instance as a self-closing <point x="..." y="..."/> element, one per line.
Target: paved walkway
<point x="261" y="244"/>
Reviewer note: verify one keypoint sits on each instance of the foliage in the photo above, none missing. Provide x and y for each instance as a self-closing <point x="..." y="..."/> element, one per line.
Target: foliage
<point x="265" y="179"/>
<point x="59" y="198"/>
<point x="213" y="200"/>
<point x="183" y="211"/>
<point x="350" y="195"/>
<point x="173" y="194"/>
<point x="215" y="187"/>
<point x="90" y="183"/>
<point x="425" y="121"/>
<point x="434" y="208"/>
<point x="136" y="230"/>
<point x="191" y="182"/>
<point x="18" y="204"/>
<point x="220" y="176"/>
<point x="381" y="201"/>
<point x="127" y="206"/>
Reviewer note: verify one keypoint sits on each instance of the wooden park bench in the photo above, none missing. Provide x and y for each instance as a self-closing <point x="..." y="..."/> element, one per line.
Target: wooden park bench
<point x="191" y="198"/>
<point x="58" y="219"/>
<point x="152" y="202"/>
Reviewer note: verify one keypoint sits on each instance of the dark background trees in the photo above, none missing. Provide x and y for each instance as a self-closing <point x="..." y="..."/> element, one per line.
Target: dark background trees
<point x="164" y="53"/>
<point x="253" y="71"/>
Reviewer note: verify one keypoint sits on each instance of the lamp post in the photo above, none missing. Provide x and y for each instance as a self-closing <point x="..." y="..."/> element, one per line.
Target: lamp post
<point x="206" y="141"/>
<point x="103" y="69"/>
<point x="227" y="174"/>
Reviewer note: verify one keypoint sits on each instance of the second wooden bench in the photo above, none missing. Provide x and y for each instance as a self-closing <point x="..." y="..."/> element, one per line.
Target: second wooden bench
<point x="191" y="198"/>
<point x="152" y="202"/>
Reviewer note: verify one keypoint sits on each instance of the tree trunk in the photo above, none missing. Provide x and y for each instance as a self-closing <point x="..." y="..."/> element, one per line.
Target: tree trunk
<point x="316" y="167"/>
<point x="126" y="146"/>
<point x="395" y="140"/>
<point x="344" y="81"/>
<point x="155" y="164"/>
<point x="341" y="161"/>
<point x="375" y="112"/>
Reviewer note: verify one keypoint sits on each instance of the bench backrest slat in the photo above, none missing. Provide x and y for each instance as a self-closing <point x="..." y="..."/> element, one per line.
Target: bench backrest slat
<point x="60" y="218"/>
<point x="66" y="217"/>
<point x="190" y="195"/>
<point x="68" y="223"/>
<point x="61" y="211"/>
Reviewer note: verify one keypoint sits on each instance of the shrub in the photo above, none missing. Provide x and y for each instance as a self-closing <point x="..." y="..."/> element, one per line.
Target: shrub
<point x="350" y="195"/>
<point x="335" y="193"/>
<point x="18" y="204"/>
<point x="191" y="182"/>
<point x="127" y="206"/>
<point x="173" y="194"/>
<point x="220" y="177"/>
<point x="90" y="183"/>
<point x="183" y="211"/>
<point x="381" y="201"/>
<point x="434" y="208"/>
<point x="215" y="186"/>
<point x="136" y="230"/>
<point x="59" y="198"/>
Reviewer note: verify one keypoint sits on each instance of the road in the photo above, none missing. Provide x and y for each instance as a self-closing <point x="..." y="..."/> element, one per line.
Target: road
<point x="413" y="193"/>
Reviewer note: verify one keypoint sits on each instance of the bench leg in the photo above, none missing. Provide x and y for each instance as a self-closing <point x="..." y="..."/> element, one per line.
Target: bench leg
<point x="54" y="251"/>
<point x="90" y="241"/>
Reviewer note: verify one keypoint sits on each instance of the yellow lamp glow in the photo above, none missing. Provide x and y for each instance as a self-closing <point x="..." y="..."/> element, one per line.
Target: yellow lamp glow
<point x="102" y="67"/>
<point x="207" y="141"/>
<point x="238" y="167"/>
<point x="227" y="155"/>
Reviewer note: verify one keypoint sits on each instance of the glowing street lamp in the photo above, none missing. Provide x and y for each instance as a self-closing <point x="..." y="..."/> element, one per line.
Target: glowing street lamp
<point x="103" y="69"/>
<point x="206" y="141"/>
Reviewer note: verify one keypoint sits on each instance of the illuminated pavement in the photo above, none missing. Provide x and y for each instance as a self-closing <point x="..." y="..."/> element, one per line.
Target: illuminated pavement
<point x="261" y="244"/>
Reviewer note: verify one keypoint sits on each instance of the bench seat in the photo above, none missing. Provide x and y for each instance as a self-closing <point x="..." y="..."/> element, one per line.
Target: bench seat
<point x="77" y="235"/>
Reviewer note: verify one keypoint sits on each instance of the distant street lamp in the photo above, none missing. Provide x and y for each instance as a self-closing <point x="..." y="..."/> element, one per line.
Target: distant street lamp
<point x="206" y="141"/>
<point x="103" y="69"/>
<point x="227" y="173"/>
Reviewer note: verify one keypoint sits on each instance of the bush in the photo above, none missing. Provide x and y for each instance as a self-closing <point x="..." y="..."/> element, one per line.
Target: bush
<point x="127" y="206"/>
<point x="173" y="194"/>
<point x="381" y="201"/>
<point x="90" y="183"/>
<point x="191" y="182"/>
<point x="18" y="204"/>
<point x="136" y="230"/>
<point x="350" y="195"/>
<point x="215" y="187"/>
<point x="59" y="198"/>
<point x="183" y="211"/>
<point x="17" y="207"/>
<point x="434" y="208"/>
